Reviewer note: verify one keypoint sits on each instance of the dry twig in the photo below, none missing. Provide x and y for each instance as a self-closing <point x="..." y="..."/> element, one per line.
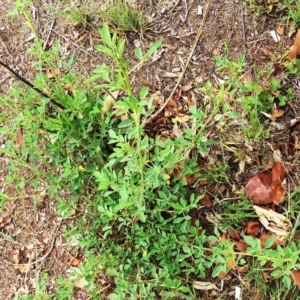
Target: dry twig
<point x="186" y="65"/>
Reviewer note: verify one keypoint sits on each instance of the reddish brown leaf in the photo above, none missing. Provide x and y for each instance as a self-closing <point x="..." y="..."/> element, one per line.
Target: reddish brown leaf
<point x="253" y="228"/>
<point x="296" y="277"/>
<point x="295" y="50"/>
<point x="190" y="180"/>
<point x="206" y="201"/>
<point x="258" y="188"/>
<point x="266" y="187"/>
<point x="234" y="235"/>
<point x="241" y="246"/>
<point x="277" y="69"/>
<point x="278" y="175"/>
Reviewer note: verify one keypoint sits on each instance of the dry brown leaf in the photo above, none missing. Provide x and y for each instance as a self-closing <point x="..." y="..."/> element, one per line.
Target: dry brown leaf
<point x="280" y="30"/>
<point x="275" y="113"/>
<point x="204" y="285"/>
<point x="274" y="221"/>
<point x="241" y="246"/>
<point x="23" y="268"/>
<point x="110" y="100"/>
<point x="5" y="221"/>
<point x="20" y="138"/>
<point x="242" y="269"/>
<point x="295" y="50"/>
<point x="176" y="130"/>
<point x="74" y="261"/>
<point x="296" y="277"/>
<point x="278" y="175"/>
<point x="252" y="228"/>
<point x="206" y="201"/>
<point x="234" y="235"/>
<point x="187" y="87"/>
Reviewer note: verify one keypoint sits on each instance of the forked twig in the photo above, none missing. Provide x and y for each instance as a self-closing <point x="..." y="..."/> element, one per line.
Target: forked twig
<point x="185" y="67"/>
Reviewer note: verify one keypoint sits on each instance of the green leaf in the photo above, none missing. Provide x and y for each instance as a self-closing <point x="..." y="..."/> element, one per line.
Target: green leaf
<point x="250" y="241"/>
<point x="234" y="115"/>
<point x="138" y="53"/>
<point x="112" y="134"/>
<point x="143" y="93"/>
<point x="104" y="49"/>
<point x="106" y="35"/>
<point x="126" y="123"/>
<point x="276" y="273"/>
<point x="120" y="47"/>
<point x="152" y="49"/>
<point x="269" y="242"/>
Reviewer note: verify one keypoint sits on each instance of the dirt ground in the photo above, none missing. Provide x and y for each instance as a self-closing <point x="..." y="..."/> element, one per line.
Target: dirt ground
<point x="30" y="228"/>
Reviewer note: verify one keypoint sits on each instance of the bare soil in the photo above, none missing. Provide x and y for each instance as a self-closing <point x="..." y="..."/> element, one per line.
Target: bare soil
<point x="31" y="229"/>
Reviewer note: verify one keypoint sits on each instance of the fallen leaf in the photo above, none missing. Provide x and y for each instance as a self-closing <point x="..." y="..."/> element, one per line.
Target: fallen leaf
<point x="280" y="30"/>
<point x="295" y="50"/>
<point x="278" y="175"/>
<point x="181" y="119"/>
<point x="5" y="221"/>
<point x="204" y="285"/>
<point x="275" y="113"/>
<point x="266" y="187"/>
<point x="23" y="268"/>
<point x="258" y="188"/>
<point x="241" y="246"/>
<point x="274" y="221"/>
<point x="234" y="235"/>
<point x="277" y="69"/>
<point x="74" y="261"/>
<point x="242" y="269"/>
<point x="187" y="87"/>
<point x="206" y="201"/>
<point x="296" y="277"/>
<point x="20" y="142"/>
<point x="252" y="228"/>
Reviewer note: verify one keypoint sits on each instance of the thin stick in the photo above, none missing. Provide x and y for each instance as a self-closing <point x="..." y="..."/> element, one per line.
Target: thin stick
<point x="243" y="27"/>
<point x="186" y="65"/>
<point x="51" y="28"/>
<point x="31" y="85"/>
<point x="54" y="234"/>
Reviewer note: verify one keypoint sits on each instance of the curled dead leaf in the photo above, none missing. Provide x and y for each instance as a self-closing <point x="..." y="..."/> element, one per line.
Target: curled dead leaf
<point x="204" y="285"/>
<point x="296" y="277"/>
<point x="295" y="50"/>
<point x="274" y="221"/>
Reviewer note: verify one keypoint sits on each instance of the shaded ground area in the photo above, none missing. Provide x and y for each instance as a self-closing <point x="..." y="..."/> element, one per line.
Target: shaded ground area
<point x="30" y="229"/>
